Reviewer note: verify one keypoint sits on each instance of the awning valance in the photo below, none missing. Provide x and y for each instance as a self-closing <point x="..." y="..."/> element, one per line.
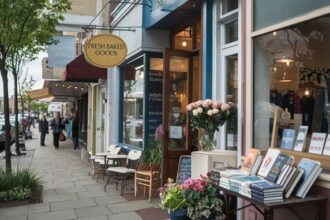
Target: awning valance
<point x="39" y="93"/>
<point x="79" y="70"/>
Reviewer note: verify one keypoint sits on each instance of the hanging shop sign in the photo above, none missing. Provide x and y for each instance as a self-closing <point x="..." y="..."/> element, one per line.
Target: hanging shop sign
<point x="105" y="51"/>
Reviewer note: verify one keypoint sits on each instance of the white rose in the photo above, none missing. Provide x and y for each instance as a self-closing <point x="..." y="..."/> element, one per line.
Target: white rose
<point x="199" y="110"/>
<point x="210" y="112"/>
<point x="215" y="111"/>
<point x="195" y="112"/>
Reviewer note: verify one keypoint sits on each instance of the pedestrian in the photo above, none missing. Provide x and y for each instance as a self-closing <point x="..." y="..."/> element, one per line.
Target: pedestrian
<point x="43" y="129"/>
<point x="75" y="130"/>
<point x="57" y="126"/>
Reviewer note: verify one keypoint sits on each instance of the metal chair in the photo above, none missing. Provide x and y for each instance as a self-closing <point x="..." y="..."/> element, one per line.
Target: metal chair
<point x="123" y="174"/>
<point x="103" y="162"/>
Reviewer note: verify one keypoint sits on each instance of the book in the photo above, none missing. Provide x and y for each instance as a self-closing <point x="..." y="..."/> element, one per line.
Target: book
<point x="266" y="186"/>
<point x="281" y="160"/>
<point x="301" y="138"/>
<point x="250" y="159"/>
<point x="263" y="199"/>
<point x="268" y="162"/>
<point x="294" y="183"/>
<point x="256" y="166"/>
<point x="288" y="137"/>
<point x="229" y="173"/>
<point x="283" y="172"/>
<point x="312" y="182"/>
<point x="326" y="150"/>
<point x="317" y="143"/>
<point x="310" y="167"/>
<point x="289" y="178"/>
<point x="266" y="194"/>
<point x="286" y="175"/>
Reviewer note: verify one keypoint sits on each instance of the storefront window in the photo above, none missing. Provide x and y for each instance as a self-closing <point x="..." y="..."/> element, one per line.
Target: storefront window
<point x="232" y="96"/>
<point x="231" y="31"/>
<point x="133" y="125"/>
<point x="292" y="72"/>
<point x="229" y="5"/>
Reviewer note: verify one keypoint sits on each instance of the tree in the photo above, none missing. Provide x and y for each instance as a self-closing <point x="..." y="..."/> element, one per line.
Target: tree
<point x="26" y="25"/>
<point x="26" y="86"/>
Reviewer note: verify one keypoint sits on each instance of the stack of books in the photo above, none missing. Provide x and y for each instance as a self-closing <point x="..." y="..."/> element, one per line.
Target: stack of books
<point x="266" y="192"/>
<point x="226" y="175"/>
<point x="242" y="184"/>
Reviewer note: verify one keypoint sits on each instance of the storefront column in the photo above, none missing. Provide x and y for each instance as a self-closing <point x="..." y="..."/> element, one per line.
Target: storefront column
<point x="207" y="49"/>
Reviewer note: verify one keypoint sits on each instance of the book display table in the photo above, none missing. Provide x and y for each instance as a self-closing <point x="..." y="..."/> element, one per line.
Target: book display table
<point x="267" y="209"/>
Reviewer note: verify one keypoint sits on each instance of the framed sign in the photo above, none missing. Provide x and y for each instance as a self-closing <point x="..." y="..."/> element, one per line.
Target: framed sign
<point x="184" y="169"/>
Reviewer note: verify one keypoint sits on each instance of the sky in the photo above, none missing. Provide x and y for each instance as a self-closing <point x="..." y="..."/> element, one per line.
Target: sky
<point x="33" y="68"/>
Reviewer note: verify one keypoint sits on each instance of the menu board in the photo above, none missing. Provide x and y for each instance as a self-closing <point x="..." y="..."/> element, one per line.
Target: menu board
<point x="184" y="169"/>
<point x="155" y="96"/>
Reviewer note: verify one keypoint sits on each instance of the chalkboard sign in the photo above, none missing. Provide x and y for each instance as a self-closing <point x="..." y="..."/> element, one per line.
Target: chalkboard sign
<point x="184" y="169"/>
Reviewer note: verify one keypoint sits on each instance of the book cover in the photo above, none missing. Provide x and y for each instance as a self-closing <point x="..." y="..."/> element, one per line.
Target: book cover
<point x="266" y="186"/>
<point x="326" y="150"/>
<point x="268" y="162"/>
<point x="256" y="166"/>
<point x="289" y="177"/>
<point x="288" y="139"/>
<point x="265" y="198"/>
<point x="250" y="159"/>
<point x="312" y="182"/>
<point x="232" y="173"/>
<point x="285" y="176"/>
<point x="301" y="138"/>
<point x="281" y="160"/>
<point x="294" y="183"/>
<point x="266" y="194"/>
<point x="310" y="169"/>
<point x="317" y="143"/>
<point x="282" y="174"/>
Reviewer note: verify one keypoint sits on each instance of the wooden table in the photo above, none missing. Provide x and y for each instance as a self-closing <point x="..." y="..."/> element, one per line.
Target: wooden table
<point x="267" y="209"/>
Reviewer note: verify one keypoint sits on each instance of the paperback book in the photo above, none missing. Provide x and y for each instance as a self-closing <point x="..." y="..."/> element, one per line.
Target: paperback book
<point x="249" y="159"/>
<point x="268" y="162"/>
<point x="292" y="185"/>
<point x="288" y="139"/>
<point x="281" y="160"/>
<point x="317" y="143"/>
<point x="301" y="138"/>
<point x="326" y="150"/>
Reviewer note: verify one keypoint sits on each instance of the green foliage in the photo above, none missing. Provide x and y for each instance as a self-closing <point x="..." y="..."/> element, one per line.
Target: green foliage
<point x="172" y="197"/>
<point x="16" y="193"/>
<point x="20" y="179"/>
<point x="153" y="153"/>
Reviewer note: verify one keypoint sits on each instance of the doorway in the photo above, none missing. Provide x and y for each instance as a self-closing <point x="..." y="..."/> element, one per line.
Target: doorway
<point x="100" y="121"/>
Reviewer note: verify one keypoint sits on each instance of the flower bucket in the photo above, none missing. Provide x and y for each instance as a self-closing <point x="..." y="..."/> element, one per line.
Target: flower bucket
<point x="180" y="214"/>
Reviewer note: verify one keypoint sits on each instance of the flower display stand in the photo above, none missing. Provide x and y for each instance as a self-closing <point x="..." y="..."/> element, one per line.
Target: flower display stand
<point x="203" y="162"/>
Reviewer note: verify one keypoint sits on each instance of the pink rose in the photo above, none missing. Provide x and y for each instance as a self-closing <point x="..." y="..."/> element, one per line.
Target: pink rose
<point x="210" y="112"/>
<point x="214" y="104"/>
<point x="195" y="112"/>
<point x="198" y="103"/>
<point x="189" y="107"/>
<point x="199" y="110"/>
<point x="215" y="111"/>
<point x="205" y="104"/>
<point x="225" y="107"/>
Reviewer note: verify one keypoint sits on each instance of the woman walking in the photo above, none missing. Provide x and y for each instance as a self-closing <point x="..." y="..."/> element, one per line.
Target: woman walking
<point x="43" y="129"/>
<point x="75" y="130"/>
<point x="57" y="126"/>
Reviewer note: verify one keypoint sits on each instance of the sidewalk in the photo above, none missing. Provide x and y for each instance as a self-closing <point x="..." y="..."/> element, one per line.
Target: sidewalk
<point x="69" y="193"/>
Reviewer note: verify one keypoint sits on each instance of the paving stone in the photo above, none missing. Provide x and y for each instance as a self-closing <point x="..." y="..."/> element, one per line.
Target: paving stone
<point x="61" y="197"/>
<point x="91" y="193"/>
<point x="38" y="208"/>
<point x="130" y="206"/>
<point x="125" y="216"/>
<point x="58" y="215"/>
<point x="84" y="182"/>
<point x="71" y="204"/>
<point x="67" y="190"/>
<point x="108" y="200"/>
<point x="93" y="211"/>
<point x="95" y="218"/>
<point x="14" y="211"/>
<point x="96" y="186"/>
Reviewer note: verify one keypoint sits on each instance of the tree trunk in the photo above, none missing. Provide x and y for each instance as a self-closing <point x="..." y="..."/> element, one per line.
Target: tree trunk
<point x="18" y="152"/>
<point x="4" y="75"/>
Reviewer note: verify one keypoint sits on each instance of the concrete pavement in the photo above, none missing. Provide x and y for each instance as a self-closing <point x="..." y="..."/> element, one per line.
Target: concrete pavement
<point x="69" y="192"/>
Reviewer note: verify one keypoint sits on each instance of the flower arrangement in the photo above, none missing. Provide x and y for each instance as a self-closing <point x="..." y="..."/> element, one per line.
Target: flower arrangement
<point x="198" y="196"/>
<point x="209" y="115"/>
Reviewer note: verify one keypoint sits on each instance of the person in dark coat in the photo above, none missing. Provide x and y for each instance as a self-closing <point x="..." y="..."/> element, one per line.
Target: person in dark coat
<point x="75" y="130"/>
<point x="57" y="126"/>
<point x="43" y="129"/>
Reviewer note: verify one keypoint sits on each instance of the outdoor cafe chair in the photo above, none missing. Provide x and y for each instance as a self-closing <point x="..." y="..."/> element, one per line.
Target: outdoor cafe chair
<point x="103" y="161"/>
<point x="122" y="175"/>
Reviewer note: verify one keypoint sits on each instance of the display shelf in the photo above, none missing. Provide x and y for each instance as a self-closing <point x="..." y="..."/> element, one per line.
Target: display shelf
<point x="324" y="160"/>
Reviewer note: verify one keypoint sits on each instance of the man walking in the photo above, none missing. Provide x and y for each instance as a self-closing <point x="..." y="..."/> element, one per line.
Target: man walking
<point x="43" y="129"/>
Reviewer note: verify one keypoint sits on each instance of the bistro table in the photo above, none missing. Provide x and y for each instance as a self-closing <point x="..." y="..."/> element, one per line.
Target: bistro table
<point x="116" y="158"/>
<point x="267" y="209"/>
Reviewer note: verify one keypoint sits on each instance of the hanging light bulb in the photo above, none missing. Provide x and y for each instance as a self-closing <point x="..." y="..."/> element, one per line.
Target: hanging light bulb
<point x="184" y="43"/>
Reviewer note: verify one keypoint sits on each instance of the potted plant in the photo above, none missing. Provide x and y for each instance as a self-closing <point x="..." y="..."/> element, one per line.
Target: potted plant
<point x="203" y="199"/>
<point x="172" y="200"/>
<point x="209" y="115"/>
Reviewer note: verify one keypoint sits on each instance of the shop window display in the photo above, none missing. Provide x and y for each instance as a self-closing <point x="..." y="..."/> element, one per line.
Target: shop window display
<point x="133" y="125"/>
<point x="292" y="72"/>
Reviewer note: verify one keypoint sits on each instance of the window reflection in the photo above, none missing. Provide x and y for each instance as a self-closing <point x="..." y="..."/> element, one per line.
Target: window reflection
<point x="133" y="125"/>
